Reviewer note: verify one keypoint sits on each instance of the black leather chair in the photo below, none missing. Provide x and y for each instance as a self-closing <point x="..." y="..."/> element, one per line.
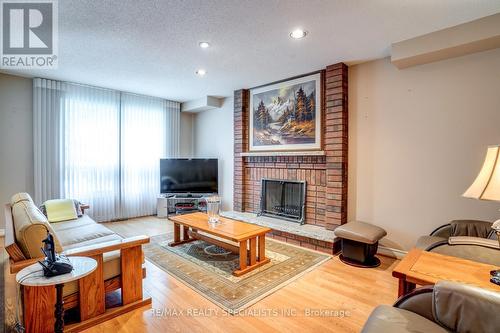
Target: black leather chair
<point x="469" y="239"/>
<point x="445" y="307"/>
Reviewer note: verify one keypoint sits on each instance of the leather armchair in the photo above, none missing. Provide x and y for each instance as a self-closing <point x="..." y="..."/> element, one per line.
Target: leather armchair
<point x="445" y="307"/>
<point x="468" y="239"/>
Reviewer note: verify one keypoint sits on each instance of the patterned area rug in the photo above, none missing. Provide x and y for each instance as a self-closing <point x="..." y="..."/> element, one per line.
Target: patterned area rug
<point x="211" y="275"/>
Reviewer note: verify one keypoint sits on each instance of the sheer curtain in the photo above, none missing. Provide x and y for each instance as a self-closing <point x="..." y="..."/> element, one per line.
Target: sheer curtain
<point x="91" y="159"/>
<point x="143" y="143"/>
<point x="47" y="143"/>
<point x="173" y="128"/>
<point x="149" y="131"/>
<point x="102" y="147"/>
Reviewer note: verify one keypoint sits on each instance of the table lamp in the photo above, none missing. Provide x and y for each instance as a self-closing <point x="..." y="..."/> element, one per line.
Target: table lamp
<point x="487" y="185"/>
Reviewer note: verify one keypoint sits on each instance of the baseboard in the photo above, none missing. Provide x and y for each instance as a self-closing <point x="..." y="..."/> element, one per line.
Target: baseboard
<point x="390" y="252"/>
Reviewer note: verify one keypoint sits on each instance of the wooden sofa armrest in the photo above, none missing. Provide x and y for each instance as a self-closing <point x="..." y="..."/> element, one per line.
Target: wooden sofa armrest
<point x="87" y="251"/>
<point x="16" y="266"/>
<point x="92" y="250"/>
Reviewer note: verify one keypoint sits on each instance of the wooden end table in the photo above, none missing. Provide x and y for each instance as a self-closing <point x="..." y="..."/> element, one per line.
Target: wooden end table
<point x="420" y="267"/>
<point x="32" y="276"/>
<point x="246" y="235"/>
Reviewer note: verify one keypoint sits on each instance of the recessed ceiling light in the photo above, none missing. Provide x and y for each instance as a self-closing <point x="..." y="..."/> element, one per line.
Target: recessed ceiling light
<point x="204" y="45"/>
<point x="201" y="72"/>
<point x="298" y="34"/>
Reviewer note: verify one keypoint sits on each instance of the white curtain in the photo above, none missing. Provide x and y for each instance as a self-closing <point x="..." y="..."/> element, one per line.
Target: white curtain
<point x="173" y="128"/>
<point x="143" y="143"/>
<point x="91" y="157"/>
<point x="102" y="147"/>
<point x="47" y="144"/>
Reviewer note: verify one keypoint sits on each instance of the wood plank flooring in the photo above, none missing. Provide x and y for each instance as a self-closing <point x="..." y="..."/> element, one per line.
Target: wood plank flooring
<point x="313" y="303"/>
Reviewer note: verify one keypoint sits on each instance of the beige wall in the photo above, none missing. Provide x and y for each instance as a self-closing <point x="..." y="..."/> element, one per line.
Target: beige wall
<point x="214" y="138"/>
<point x="16" y="138"/>
<point x="417" y="138"/>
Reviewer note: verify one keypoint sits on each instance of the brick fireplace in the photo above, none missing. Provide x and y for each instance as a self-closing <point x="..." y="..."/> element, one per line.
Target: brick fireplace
<point x="324" y="171"/>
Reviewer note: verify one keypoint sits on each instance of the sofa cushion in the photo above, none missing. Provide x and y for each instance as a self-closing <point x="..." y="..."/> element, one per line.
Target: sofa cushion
<point x="78" y="208"/>
<point x="93" y="241"/>
<point x="30" y="226"/>
<point x="83" y="221"/>
<point x="111" y="269"/>
<point x="388" y="319"/>
<point x="82" y="231"/>
<point x="59" y="210"/>
<point x="360" y="232"/>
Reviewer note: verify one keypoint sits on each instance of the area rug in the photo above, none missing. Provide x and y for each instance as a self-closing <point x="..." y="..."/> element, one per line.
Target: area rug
<point x="211" y="275"/>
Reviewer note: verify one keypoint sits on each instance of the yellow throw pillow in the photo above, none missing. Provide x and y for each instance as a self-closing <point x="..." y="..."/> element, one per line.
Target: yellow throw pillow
<point x="60" y="210"/>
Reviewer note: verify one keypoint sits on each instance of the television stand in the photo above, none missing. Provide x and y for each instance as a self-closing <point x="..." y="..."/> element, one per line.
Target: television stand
<point x="176" y="204"/>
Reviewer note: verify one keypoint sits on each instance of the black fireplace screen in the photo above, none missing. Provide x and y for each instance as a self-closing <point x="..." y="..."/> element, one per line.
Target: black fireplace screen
<point x="283" y="199"/>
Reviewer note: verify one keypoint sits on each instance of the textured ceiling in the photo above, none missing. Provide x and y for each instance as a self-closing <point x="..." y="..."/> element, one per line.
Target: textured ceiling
<point x="151" y="47"/>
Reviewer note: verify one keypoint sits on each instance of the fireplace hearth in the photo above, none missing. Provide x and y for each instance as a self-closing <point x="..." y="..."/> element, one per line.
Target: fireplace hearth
<point x="284" y="199"/>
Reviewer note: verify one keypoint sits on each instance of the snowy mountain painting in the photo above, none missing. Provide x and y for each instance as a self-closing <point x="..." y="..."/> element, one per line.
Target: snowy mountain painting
<point x="286" y="116"/>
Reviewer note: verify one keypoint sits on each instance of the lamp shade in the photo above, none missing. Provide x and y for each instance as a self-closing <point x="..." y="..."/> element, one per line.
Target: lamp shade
<point x="487" y="183"/>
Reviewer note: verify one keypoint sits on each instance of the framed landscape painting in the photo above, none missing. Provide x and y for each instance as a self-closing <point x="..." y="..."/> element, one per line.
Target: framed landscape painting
<point x="286" y="115"/>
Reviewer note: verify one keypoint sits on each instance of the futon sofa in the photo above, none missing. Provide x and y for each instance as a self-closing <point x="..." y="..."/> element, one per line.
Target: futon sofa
<point x="120" y="263"/>
<point x="469" y="239"/>
<point x="442" y="308"/>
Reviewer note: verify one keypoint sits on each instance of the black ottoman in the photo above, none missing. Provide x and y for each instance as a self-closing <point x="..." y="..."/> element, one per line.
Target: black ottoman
<point x="359" y="242"/>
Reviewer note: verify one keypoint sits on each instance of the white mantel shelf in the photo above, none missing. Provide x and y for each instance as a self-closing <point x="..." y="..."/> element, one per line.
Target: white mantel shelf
<point x="285" y="153"/>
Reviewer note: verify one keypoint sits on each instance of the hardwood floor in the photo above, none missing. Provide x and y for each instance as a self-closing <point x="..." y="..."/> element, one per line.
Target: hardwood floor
<point x="332" y="287"/>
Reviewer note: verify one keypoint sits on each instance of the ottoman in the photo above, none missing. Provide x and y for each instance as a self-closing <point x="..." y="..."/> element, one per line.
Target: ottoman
<point x="359" y="242"/>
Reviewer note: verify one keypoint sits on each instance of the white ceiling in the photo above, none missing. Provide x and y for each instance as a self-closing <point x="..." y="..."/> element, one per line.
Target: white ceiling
<point x="151" y="47"/>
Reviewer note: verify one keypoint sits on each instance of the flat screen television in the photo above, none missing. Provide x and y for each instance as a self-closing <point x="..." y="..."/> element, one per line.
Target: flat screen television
<point x="189" y="175"/>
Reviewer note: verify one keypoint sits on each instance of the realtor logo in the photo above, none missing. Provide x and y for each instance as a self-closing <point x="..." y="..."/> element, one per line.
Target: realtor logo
<point x="29" y="34"/>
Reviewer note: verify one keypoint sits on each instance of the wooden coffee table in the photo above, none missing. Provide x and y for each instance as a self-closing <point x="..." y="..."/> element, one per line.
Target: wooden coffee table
<point x="420" y="267"/>
<point x="245" y="235"/>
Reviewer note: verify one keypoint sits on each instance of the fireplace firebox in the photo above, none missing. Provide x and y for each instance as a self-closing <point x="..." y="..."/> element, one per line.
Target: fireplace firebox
<point x="283" y="199"/>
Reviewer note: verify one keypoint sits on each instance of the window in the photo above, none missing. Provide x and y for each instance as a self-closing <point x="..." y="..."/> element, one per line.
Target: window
<point x="102" y="147"/>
